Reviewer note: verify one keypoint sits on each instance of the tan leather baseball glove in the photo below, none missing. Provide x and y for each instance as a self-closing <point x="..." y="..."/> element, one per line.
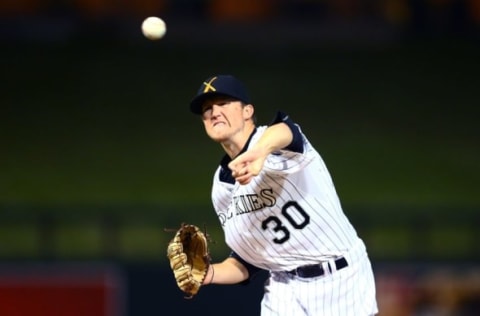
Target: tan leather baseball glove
<point x="189" y="258"/>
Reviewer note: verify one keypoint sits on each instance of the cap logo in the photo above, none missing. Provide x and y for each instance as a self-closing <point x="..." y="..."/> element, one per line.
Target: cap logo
<point x="208" y="85"/>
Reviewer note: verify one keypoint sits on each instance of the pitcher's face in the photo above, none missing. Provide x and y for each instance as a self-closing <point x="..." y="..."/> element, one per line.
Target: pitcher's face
<point x="224" y="117"/>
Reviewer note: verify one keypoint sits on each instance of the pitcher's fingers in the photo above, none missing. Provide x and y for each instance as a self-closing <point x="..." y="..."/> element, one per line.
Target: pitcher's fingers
<point x="238" y="172"/>
<point x="237" y="163"/>
<point x="245" y="179"/>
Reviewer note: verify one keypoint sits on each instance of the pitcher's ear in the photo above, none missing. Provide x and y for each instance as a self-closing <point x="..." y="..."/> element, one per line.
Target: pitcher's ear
<point x="249" y="110"/>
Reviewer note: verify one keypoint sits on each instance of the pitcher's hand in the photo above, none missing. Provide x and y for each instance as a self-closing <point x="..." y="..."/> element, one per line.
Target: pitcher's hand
<point x="248" y="165"/>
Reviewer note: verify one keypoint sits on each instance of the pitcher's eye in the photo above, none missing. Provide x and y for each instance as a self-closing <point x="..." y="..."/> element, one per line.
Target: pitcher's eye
<point x="225" y="102"/>
<point x="209" y="105"/>
<point x="206" y="109"/>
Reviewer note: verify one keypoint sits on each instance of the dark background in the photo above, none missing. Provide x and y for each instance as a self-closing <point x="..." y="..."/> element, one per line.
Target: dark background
<point x="99" y="153"/>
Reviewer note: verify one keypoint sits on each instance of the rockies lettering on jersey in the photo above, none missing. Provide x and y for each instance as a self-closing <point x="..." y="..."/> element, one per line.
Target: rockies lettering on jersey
<point x="255" y="201"/>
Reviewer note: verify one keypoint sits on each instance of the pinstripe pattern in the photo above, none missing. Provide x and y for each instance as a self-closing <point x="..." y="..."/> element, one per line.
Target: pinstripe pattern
<point x="289" y="216"/>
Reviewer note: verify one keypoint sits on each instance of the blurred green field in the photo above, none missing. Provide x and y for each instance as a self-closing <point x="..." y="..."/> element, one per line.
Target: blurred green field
<point x="91" y="126"/>
<point x="108" y="122"/>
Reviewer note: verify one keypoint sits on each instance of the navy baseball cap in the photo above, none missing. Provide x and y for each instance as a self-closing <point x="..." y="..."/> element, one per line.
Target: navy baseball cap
<point x="220" y="85"/>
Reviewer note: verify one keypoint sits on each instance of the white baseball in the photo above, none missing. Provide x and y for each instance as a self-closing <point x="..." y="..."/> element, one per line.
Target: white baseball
<point x="154" y="28"/>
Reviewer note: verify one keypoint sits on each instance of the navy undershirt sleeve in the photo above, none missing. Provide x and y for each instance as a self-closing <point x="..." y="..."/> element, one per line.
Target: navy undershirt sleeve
<point x="297" y="142"/>
<point x="252" y="270"/>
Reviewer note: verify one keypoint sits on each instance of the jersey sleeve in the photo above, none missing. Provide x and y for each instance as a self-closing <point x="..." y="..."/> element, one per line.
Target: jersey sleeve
<point x="297" y="142"/>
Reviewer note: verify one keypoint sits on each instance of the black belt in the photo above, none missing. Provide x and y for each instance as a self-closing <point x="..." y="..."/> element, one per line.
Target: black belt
<point x="316" y="270"/>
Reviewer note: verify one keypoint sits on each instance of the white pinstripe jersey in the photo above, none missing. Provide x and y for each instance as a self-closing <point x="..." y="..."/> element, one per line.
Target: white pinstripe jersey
<point x="287" y="216"/>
